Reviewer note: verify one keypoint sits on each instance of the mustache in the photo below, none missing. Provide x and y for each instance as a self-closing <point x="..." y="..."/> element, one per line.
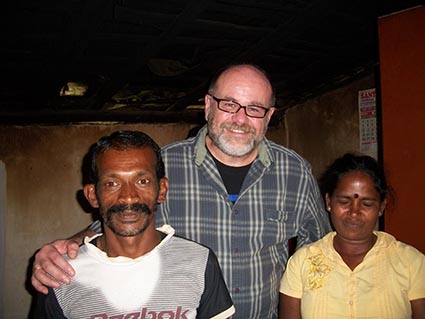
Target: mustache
<point x="136" y="207"/>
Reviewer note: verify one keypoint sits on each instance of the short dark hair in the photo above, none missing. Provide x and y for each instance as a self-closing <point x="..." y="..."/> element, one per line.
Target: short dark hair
<point x="217" y="75"/>
<point x="120" y="141"/>
<point x="350" y="163"/>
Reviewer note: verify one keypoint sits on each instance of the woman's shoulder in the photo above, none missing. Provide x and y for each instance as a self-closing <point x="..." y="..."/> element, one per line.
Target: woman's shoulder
<point x="322" y="246"/>
<point x="397" y="247"/>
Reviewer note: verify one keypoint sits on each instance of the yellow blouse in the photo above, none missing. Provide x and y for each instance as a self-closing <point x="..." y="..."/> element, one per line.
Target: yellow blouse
<point x="391" y="274"/>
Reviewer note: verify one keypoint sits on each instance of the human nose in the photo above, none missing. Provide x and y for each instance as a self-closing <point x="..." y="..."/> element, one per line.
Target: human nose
<point x="128" y="194"/>
<point x="240" y="114"/>
<point x="354" y="208"/>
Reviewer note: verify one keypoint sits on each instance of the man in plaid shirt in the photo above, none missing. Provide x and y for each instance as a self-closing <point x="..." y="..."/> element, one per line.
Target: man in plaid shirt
<point x="232" y="190"/>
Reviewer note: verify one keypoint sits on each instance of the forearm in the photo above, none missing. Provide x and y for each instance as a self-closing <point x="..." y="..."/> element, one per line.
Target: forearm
<point x="289" y="307"/>
<point x="79" y="237"/>
<point x="418" y="308"/>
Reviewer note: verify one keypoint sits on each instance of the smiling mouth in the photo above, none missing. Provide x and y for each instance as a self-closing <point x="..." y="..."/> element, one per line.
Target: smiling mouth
<point x="239" y="131"/>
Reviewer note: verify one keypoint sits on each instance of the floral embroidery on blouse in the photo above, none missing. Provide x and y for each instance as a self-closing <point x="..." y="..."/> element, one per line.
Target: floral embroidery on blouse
<point x="317" y="271"/>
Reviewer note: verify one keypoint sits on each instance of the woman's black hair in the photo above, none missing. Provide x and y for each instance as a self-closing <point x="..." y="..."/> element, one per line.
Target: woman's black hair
<point x="349" y="163"/>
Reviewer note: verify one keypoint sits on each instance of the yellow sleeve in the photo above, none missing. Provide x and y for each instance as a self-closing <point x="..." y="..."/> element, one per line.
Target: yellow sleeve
<point x="417" y="273"/>
<point x="291" y="283"/>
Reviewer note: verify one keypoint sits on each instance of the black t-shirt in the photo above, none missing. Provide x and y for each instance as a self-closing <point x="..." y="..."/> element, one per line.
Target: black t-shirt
<point x="232" y="177"/>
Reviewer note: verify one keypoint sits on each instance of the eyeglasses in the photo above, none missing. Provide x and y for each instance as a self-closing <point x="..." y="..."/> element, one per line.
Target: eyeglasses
<point x="230" y="106"/>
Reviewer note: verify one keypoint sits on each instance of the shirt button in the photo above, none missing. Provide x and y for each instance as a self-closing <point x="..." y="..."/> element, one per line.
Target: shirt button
<point x="236" y="290"/>
<point x="236" y="250"/>
<point x="351" y="302"/>
<point x="235" y="212"/>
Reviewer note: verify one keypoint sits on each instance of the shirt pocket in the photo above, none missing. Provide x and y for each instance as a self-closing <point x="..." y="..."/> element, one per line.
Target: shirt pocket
<point x="277" y="216"/>
<point x="275" y="228"/>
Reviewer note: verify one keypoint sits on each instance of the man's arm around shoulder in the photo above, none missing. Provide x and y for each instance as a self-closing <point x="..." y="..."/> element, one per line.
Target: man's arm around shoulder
<point x="50" y="269"/>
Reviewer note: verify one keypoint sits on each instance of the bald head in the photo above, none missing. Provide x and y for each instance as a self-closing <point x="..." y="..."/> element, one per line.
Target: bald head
<point x="243" y="74"/>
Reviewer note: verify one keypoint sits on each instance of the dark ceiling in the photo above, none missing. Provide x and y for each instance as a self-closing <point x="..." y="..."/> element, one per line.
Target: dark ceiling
<point x="148" y="61"/>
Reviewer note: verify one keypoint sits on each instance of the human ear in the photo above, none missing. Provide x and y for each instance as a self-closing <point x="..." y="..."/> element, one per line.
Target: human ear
<point x="270" y="113"/>
<point x="328" y="202"/>
<point x="382" y="208"/>
<point x="90" y="194"/>
<point x="207" y="105"/>
<point x="163" y="189"/>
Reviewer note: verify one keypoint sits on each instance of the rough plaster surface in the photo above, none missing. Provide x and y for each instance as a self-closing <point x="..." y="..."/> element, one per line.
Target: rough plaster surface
<point x="326" y="127"/>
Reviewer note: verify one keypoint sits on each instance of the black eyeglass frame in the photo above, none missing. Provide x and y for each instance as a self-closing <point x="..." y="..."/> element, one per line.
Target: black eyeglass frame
<point x="240" y="107"/>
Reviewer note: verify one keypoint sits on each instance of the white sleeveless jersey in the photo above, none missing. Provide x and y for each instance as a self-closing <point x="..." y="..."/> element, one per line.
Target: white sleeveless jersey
<point x="178" y="279"/>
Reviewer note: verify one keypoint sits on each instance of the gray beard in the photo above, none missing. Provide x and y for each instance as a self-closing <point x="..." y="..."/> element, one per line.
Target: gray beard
<point x="227" y="148"/>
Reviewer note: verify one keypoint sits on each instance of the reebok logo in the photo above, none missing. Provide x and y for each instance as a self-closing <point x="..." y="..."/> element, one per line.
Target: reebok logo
<point x="145" y="314"/>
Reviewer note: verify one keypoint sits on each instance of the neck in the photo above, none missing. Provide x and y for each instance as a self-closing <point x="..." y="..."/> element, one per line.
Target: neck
<point x="353" y="251"/>
<point x="132" y="247"/>
<point x="229" y="160"/>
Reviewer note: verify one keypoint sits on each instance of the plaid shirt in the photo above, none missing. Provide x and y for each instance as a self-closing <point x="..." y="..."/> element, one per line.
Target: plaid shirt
<point x="279" y="200"/>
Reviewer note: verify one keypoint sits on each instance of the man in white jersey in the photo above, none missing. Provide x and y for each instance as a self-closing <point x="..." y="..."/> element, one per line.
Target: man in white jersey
<point x="134" y="270"/>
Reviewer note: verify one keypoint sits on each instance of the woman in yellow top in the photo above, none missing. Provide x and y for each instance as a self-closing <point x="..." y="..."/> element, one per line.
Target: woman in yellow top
<point x="355" y="271"/>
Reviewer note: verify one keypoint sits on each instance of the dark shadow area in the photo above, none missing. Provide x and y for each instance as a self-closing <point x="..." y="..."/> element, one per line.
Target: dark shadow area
<point x="194" y="131"/>
<point x="86" y="179"/>
<point x="85" y="205"/>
